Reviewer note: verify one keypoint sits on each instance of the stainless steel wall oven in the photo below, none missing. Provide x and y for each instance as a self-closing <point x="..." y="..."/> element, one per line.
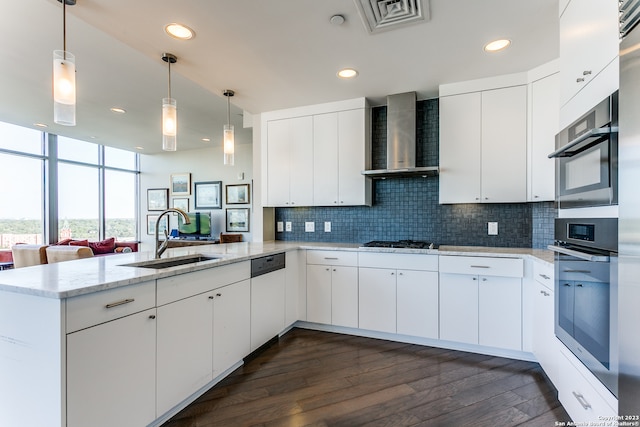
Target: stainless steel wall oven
<point x="586" y="293"/>
<point x="587" y="158"/>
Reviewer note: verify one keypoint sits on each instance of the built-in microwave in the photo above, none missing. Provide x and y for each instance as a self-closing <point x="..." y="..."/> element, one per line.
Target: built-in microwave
<point x="587" y="158"/>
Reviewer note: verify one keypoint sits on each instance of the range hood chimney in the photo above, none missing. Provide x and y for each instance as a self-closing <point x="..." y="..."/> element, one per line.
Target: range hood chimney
<point x="401" y="139"/>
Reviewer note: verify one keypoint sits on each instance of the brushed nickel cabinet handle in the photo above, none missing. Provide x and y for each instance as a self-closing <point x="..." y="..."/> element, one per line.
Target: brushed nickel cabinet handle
<point x="115" y="304"/>
<point x="480" y="266"/>
<point x="581" y="399"/>
<point x="544" y="276"/>
<point x="153" y="316"/>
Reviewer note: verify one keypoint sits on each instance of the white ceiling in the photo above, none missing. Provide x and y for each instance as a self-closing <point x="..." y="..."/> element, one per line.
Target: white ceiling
<point x="273" y="53"/>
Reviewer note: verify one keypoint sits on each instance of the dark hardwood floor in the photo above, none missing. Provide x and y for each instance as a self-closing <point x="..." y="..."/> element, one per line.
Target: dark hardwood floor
<point x="311" y="378"/>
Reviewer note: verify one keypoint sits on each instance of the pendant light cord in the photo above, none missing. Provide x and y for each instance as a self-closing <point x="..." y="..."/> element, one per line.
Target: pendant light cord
<point x="228" y="110"/>
<point x="169" y="62"/>
<point x="64" y="29"/>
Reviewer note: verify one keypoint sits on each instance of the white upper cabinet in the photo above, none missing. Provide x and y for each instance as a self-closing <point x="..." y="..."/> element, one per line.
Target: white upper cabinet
<point x="460" y="148"/>
<point x="313" y="156"/>
<point x="545" y="116"/>
<point x="504" y="145"/>
<point x="483" y="137"/>
<point x="290" y="152"/>
<point x="588" y="43"/>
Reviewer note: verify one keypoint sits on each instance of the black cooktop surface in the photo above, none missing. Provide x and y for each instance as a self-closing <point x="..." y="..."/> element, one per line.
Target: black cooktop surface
<point x="409" y="244"/>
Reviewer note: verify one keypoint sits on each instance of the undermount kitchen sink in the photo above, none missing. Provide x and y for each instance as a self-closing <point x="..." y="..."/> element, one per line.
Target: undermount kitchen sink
<point x="172" y="262"/>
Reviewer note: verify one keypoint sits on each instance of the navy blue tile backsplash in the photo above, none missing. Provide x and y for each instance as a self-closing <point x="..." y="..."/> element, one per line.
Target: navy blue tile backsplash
<point x="407" y="208"/>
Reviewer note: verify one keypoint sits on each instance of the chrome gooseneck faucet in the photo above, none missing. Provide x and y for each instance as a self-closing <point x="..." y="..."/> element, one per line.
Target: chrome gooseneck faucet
<point x="160" y="248"/>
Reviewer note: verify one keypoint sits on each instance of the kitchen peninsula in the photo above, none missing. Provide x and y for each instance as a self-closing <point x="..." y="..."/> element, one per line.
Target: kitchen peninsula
<point x="92" y="339"/>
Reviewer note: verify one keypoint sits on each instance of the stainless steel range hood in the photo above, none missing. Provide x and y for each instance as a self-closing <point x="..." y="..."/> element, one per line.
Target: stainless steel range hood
<point x="401" y="139"/>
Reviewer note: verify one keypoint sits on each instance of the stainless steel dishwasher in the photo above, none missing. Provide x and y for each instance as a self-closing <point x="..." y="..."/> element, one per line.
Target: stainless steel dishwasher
<point x="267" y="298"/>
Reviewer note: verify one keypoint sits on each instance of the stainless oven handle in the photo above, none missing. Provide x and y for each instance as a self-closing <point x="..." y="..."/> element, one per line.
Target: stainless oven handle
<point x="578" y="254"/>
<point x="593" y="133"/>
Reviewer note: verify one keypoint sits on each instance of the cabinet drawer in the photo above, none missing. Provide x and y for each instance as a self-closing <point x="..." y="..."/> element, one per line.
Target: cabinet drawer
<point x="332" y="258"/>
<point x="484" y="266"/>
<point x="398" y="261"/>
<point x="174" y="288"/>
<point x="92" y="309"/>
<point x="579" y="397"/>
<point x="544" y="274"/>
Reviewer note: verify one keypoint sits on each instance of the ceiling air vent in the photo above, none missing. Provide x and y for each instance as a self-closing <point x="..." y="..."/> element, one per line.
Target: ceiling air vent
<point x="382" y="15"/>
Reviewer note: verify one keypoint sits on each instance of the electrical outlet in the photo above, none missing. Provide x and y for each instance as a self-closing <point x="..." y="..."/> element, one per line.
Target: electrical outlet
<point x="492" y="229"/>
<point x="310" y="227"/>
<point x="287" y="226"/>
<point x="327" y="226"/>
<point x="280" y="226"/>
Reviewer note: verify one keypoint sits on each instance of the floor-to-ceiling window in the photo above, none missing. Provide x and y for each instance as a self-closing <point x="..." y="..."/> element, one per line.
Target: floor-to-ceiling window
<point x="53" y="188"/>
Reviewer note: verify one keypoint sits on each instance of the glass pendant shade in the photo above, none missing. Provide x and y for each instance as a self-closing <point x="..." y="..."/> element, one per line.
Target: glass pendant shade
<point x="64" y="88"/>
<point x="228" y="145"/>
<point x="169" y="124"/>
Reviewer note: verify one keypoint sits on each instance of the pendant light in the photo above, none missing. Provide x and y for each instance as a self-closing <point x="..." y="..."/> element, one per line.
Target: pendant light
<point x="64" y="77"/>
<point x="228" y="139"/>
<point x="169" y="112"/>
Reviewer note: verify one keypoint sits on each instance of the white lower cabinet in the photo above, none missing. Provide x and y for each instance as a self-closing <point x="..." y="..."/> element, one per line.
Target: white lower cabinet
<point x="332" y="288"/>
<point x="267" y="307"/>
<point x="231" y="325"/>
<point x="417" y="303"/>
<point x="399" y="293"/>
<point x="185" y="349"/>
<point x="377" y="300"/>
<point x="111" y="373"/>
<point x="483" y="309"/>
<point x="545" y="344"/>
<point x="582" y="396"/>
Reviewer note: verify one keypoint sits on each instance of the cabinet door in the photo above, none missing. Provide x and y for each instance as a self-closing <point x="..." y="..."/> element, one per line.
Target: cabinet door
<point x="377" y="299"/>
<point x="185" y="346"/>
<point x="231" y="325"/>
<point x="417" y="294"/>
<point x="351" y="157"/>
<point x="460" y="133"/>
<point x="111" y="373"/>
<point x="545" y="346"/>
<point x="319" y="294"/>
<point x="301" y="162"/>
<point x="293" y="292"/>
<point x="504" y="145"/>
<point x="500" y="312"/>
<point x="545" y="121"/>
<point x="325" y="159"/>
<point x="588" y="42"/>
<point x="344" y="296"/>
<point x="267" y="307"/>
<point x="459" y="308"/>
<point x="278" y="160"/>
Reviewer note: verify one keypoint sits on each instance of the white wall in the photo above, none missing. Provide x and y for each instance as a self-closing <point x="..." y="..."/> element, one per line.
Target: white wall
<point x="204" y="165"/>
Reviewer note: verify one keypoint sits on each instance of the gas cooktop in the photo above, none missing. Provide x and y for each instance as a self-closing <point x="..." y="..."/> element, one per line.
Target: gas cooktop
<point x="409" y="244"/>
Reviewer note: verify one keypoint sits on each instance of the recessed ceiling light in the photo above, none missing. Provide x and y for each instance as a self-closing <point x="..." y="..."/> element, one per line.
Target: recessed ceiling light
<point x="117" y="110"/>
<point x="139" y="148"/>
<point x="41" y="125"/>
<point x="179" y="31"/>
<point x="497" y="45"/>
<point x="206" y="139"/>
<point x="347" y="73"/>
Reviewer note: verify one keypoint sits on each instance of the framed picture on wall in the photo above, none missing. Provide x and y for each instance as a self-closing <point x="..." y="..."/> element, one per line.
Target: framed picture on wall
<point x="238" y="219"/>
<point x="181" y="203"/>
<point x="181" y="184"/>
<point x="237" y="194"/>
<point x="208" y="195"/>
<point x="151" y="224"/>
<point x="157" y="199"/>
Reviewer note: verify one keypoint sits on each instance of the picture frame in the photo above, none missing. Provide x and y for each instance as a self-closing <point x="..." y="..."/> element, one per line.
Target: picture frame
<point x="181" y="184"/>
<point x="238" y="219"/>
<point x="157" y="199"/>
<point x="237" y="194"/>
<point x="151" y="224"/>
<point x="208" y="195"/>
<point x="180" y="203"/>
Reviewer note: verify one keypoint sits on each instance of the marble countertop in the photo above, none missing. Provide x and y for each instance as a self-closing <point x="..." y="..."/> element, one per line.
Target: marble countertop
<point x="73" y="278"/>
